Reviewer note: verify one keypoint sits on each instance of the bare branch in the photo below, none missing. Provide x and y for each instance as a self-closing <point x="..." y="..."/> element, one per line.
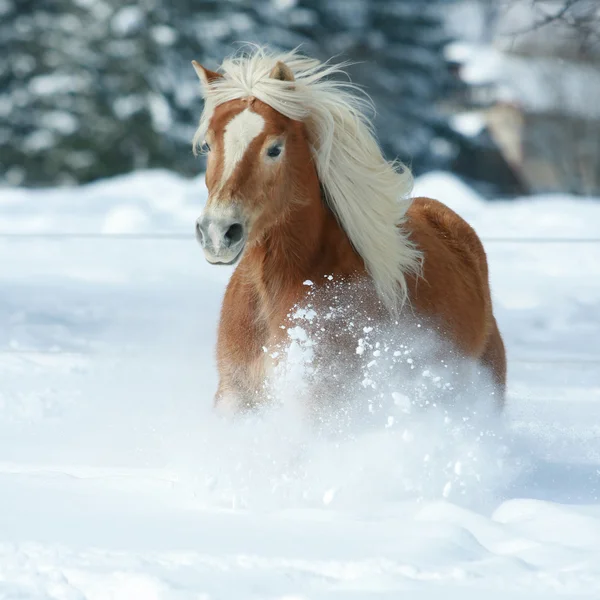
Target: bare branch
<point x="581" y="17"/>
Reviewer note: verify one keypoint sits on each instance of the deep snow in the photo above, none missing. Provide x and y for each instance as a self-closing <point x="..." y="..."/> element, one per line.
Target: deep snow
<point x="118" y="482"/>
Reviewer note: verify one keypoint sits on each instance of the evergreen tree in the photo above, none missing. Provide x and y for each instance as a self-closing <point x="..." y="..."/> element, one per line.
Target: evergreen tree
<point x="80" y="102"/>
<point x="95" y="88"/>
<point x="397" y="48"/>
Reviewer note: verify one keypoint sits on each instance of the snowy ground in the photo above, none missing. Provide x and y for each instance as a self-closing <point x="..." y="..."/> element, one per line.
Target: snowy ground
<point x="117" y="482"/>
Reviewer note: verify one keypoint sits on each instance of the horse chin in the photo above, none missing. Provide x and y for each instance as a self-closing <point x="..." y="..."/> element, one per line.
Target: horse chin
<point x="226" y="263"/>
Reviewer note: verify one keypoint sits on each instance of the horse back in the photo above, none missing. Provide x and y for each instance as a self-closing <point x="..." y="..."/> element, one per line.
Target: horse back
<point x="454" y="288"/>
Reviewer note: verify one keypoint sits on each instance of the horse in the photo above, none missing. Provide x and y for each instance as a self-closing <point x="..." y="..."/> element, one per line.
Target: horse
<point x="299" y="192"/>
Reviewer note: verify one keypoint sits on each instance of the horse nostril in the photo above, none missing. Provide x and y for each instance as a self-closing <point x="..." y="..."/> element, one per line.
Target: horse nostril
<point x="234" y="234"/>
<point x="199" y="234"/>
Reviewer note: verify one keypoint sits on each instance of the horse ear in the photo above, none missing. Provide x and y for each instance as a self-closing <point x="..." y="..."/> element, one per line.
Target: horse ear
<point x="206" y="76"/>
<point x="282" y="72"/>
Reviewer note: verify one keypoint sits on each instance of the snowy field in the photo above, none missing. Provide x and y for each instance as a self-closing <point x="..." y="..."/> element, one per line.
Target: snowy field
<point x="117" y="482"/>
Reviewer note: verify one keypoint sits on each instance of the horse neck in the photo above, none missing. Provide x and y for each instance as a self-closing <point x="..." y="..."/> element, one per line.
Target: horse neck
<point x="307" y="243"/>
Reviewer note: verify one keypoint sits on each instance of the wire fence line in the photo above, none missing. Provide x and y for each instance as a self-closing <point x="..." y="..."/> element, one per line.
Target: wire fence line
<point x="33" y="353"/>
<point x="178" y="236"/>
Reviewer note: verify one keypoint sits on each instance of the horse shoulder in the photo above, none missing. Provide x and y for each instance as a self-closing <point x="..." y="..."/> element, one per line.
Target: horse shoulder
<point x="454" y="287"/>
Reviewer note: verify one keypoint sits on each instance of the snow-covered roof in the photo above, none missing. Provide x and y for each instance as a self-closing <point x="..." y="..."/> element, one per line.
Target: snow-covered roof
<point x="537" y="84"/>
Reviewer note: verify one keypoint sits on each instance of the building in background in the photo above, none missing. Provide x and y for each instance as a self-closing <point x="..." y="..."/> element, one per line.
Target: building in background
<point x="533" y="89"/>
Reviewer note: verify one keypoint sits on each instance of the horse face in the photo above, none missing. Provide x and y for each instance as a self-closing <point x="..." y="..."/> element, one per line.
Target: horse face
<point x="250" y="172"/>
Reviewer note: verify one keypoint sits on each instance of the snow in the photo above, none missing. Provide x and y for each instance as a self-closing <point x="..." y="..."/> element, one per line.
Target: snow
<point x="117" y="481"/>
<point x="469" y="124"/>
<point x="537" y="84"/>
<point x="127" y="20"/>
<point x="61" y="121"/>
<point x="160" y="112"/>
<point x="166" y="36"/>
<point x="5" y="7"/>
<point x="126" y="106"/>
<point x="283" y="4"/>
<point x="39" y="140"/>
<point x="47" y="85"/>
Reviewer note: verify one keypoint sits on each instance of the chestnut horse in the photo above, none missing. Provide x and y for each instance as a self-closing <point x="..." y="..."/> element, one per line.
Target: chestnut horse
<point x="299" y="190"/>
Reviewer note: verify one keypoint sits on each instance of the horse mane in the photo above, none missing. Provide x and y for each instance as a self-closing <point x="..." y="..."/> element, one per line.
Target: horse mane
<point x="368" y="194"/>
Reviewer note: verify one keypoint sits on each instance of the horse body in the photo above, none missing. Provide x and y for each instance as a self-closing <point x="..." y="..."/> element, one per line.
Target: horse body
<point x="269" y="281"/>
<point x="289" y="216"/>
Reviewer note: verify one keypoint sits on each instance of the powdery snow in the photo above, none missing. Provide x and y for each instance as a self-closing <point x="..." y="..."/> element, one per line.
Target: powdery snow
<point x="118" y="482"/>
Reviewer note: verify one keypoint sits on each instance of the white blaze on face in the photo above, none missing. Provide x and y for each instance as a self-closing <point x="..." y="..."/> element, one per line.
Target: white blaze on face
<point x="238" y="135"/>
<point x="215" y="233"/>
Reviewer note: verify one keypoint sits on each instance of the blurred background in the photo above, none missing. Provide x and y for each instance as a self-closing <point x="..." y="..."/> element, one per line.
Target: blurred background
<point x="503" y="93"/>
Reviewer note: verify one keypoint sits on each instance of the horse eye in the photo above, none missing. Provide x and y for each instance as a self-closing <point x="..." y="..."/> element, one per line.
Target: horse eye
<point x="205" y="147"/>
<point x="274" y="151"/>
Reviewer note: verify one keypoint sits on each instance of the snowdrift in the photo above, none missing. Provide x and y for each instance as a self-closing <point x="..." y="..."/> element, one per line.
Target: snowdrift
<point x="118" y="481"/>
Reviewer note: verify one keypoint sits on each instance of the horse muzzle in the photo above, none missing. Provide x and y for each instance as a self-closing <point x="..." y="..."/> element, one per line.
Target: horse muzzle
<point x="222" y="239"/>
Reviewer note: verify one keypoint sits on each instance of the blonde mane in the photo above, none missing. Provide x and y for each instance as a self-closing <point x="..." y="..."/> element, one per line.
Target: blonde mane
<point x="368" y="194"/>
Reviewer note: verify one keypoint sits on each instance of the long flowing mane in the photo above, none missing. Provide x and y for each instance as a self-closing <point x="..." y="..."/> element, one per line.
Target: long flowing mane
<point x="368" y="194"/>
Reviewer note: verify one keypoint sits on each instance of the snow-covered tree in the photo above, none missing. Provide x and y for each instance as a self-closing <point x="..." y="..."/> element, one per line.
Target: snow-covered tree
<point x="397" y="48"/>
<point x="99" y="87"/>
<point x="77" y="90"/>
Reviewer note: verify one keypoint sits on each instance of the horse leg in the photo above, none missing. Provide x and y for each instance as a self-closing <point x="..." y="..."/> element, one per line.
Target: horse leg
<point x="240" y="355"/>
<point x="494" y="358"/>
<point x="231" y="400"/>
